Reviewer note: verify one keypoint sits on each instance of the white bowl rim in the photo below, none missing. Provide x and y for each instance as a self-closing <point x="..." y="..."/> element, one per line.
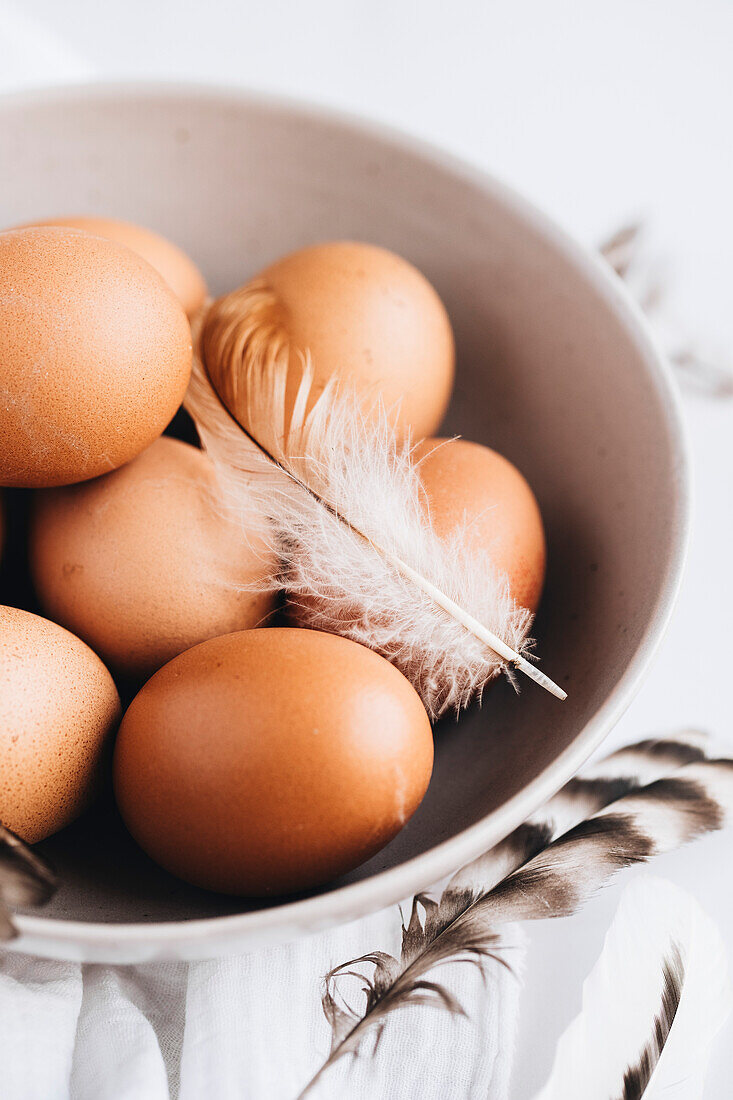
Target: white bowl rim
<point x="283" y="922"/>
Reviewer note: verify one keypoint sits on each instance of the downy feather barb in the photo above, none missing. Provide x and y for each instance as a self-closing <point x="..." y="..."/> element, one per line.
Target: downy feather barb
<point x="343" y="503"/>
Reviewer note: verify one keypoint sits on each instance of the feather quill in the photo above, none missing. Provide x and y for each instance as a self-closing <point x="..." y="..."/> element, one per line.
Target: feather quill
<point x="592" y="828"/>
<point x="652" y="1004"/>
<point x="343" y="504"/>
<point x="25" y="879"/>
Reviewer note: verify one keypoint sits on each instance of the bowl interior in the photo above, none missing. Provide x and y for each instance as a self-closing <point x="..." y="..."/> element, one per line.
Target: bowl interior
<point x="553" y="370"/>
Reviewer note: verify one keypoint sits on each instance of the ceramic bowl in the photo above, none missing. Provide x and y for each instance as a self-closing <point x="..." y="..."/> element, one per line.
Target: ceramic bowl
<point x="555" y="369"/>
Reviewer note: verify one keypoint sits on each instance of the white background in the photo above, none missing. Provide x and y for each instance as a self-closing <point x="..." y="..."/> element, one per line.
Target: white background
<point x="597" y="111"/>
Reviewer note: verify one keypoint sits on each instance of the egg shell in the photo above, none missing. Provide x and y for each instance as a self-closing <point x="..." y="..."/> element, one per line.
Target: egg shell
<point x="95" y="356"/>
<point x="468" y="485"/>
<point x="178" y="270"/>
<point x="143" y="563"/>
<point x="58" y="712"/>
<point x="271" y="761"/>
<point x="372" y="319"/>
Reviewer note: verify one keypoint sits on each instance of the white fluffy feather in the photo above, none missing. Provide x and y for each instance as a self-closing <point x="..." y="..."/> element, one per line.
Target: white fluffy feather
<point x="339" y="573"/>
<point x="611" y="1050"/>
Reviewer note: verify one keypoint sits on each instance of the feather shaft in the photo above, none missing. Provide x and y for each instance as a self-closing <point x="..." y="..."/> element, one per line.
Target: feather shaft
<point x="242" y="376"/>
<point x="475" y="627"/>
<point x="440" y="598"/>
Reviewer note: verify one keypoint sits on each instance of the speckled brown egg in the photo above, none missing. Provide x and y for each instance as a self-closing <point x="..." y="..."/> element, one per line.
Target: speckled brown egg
<point x="95" y="356"/>
<point x="471" y="486"/>
<point x="365" y="316"/>
<point x="271" y="761"/>
<point x="178" y="270"/>
<point x="144" y="562"/>
<point x="58" y="711"/>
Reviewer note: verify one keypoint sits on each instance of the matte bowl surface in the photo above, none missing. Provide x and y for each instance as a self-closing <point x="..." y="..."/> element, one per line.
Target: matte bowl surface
<point x="555" y="370"/>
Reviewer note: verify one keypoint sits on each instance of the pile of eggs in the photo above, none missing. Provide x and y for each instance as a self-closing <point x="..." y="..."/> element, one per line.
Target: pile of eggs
<point x="253" y="758"/>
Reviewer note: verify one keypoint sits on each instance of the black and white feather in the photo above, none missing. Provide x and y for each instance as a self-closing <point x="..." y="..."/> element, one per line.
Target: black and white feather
<point x="601" y="783"/>
<point x="649" y="821"/>
<point x="652" y="1005"/>
<point x="643" y="800"/>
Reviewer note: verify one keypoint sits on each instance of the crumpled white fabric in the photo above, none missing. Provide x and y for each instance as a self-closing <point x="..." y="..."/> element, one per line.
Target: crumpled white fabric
<point x="247" y="1028"/>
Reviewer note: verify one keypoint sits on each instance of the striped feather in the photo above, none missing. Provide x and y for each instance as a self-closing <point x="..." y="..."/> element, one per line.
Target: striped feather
<point x="662" y="793"/>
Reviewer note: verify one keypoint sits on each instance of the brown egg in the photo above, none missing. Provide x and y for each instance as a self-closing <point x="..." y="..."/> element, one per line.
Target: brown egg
<point x="58" y="711"/>
<point x="143" y="564"/>
<point x="95" y="352"/>
<point x="271" y="761"/>
<point x="470" y="485"/>
<point x="179" y="272"/>
<point x="370" y="318"/>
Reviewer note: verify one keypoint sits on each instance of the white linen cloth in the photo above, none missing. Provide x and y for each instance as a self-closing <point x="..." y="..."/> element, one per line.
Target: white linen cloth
<point x="247" y="1028"/>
